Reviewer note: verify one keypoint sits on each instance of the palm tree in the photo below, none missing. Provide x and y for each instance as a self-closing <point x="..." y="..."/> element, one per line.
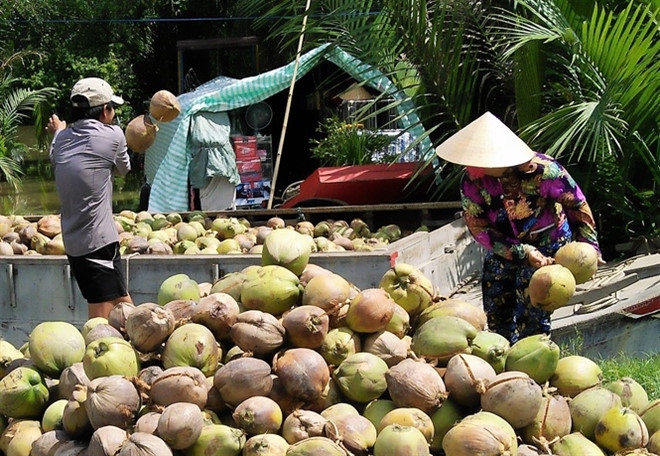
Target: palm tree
<point x="595" y="100"/>
<point x="16" y="106"/>
<point x="578" y="79"/>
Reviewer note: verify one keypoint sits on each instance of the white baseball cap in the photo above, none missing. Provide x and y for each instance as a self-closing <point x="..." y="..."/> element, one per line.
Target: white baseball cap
<point x="485" y="143"/>
<point x="96" y="91"/>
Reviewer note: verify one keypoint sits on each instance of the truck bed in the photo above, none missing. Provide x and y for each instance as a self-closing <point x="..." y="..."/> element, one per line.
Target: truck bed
<point x="614" y="312"/>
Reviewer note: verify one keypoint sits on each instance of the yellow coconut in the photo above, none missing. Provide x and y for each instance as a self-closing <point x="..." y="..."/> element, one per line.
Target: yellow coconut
<point x="551" y="287"/>
<point x="621" y="429"/>
<point x="580" y="258"/>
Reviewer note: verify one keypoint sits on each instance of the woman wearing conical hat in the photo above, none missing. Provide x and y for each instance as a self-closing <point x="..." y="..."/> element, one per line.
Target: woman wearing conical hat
<point x="521" y="206"/>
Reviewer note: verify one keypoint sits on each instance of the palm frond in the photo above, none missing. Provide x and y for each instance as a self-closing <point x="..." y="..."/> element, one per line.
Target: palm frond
<point x="575" y="129"/>
<point x="9" y="167"/>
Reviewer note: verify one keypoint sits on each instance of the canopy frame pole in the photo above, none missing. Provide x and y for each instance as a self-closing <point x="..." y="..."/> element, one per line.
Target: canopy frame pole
<point x="280" y="145"/>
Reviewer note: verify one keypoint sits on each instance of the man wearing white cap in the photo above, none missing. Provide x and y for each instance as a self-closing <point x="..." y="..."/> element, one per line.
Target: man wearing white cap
<point x="521" y="206"/>
<point x="85" y="156"/>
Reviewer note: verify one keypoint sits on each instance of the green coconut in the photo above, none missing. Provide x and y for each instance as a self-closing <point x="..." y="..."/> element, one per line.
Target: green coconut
<point x="361" y="377"/>
<point x="588" y="406"/>
<point x="23" y="394"/>
<point x="230" y="283"/>
<point x="576" y="443"/>
<point x="54" y="346"/>
<point x="316" y="445"/>
<point x="574" y="374"/>
<point x="178" y="286"/>
<point x="580" y="258"/>
<point x="444" y="418"/>
<point x="408" y="287"/>
<point x="287" y="248"/>
<point x="651" y="416"/>
<point x="409" y="416"/>
<point x="338" y="344"/>
<point x="375" y="410"/>
<point x="632" y="394"/>
<point x="396" y="439"/>
<point x="492" y="347"/>
<point x="193" y="345"/>
<point x="272" y="289"/>
<point x="218" y="440"/>
<point x="110" y="356"/>
<point x="551" y="287"/>
<point x="52" y="417"/>
<point x="536" y="355"/>
<point x="442" y="337"/>
<point x="8" y="353"/>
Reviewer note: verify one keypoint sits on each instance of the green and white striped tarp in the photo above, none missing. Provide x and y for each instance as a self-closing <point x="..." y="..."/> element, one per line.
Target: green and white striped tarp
<point x="167" y="160"/>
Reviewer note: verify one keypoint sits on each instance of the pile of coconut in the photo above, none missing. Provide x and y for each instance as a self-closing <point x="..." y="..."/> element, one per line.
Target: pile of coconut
<point x="170" y="234"/>
<point x="288" y="358"/>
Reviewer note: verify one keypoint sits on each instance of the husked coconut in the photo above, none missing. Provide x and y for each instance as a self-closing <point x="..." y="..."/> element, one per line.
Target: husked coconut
<point x="140" y="133"/>
<point x="164" y="106"/>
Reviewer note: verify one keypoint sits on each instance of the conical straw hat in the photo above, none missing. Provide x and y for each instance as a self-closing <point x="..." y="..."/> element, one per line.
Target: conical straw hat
<point x="485" y="143"/>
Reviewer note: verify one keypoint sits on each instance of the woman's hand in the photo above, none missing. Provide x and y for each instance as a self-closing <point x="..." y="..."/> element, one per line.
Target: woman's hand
<point x="537" y="259"/>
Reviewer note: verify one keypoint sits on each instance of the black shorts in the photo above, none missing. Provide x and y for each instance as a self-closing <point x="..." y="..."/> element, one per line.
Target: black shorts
<point x="99" y="274"/>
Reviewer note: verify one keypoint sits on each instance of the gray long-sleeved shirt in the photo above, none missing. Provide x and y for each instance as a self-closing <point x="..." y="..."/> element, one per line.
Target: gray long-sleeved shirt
<point x="84" y="157"/>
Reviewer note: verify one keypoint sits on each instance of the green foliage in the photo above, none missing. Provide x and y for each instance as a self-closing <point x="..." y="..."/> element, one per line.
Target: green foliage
<point x="16" y="106"/>
<point x="643" y="369"/>
<point x="345" y="144"/>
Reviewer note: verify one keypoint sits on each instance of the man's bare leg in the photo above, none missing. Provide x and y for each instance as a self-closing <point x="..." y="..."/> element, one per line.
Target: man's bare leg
<point x="102" y="309"/>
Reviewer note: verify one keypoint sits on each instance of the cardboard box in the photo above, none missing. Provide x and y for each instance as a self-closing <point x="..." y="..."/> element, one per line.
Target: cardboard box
<point x="245" y="147"/>
<point x="248" y="166"/>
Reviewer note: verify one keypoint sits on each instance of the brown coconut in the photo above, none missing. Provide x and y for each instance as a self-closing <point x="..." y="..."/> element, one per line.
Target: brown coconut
<point x="49" y="225"/>
<point x="412" y="383"/>
<point x="328" y="291"/>
<point x="164" y="106"/>
<point x="466" y="377"/>
<point x="370" y="311"/>
<point x="241" y="378"/>
<point x="140" y="133"/>
<point x="257" y="332"/>
<point x="481" y="433"/>
<point x="302" y="424"/>
<point x="180" y="425"/>
<point x="306" y="326"/>
<point x="303" y="372"/>
<point x="179" y="384"/>
<point x="552" y="422"/>
<point x="514" y="396"/>
<point x="218" y="312"/>
<point x="387" y="346"/>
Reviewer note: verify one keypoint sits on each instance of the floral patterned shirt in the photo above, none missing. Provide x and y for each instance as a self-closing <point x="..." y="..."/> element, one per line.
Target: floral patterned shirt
<point x="534" y="206"/>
